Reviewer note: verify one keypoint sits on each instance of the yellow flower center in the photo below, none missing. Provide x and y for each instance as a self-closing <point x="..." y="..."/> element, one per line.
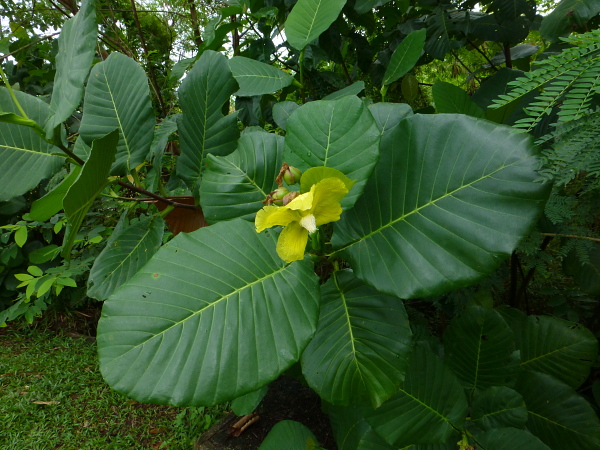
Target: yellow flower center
<point x="309" y="222"/>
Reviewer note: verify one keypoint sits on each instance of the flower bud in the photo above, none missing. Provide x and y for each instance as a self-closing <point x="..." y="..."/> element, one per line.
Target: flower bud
<point x="279" y="193"/>
<point x="292" y="175"/>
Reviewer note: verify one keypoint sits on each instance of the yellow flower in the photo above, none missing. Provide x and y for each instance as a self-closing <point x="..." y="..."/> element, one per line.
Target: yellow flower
<point x="302" y="216"/>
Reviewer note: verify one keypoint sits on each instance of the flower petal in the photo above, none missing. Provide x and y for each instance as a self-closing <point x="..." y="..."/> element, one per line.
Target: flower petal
<point x="292" y="242"/>
<point x="303" y="202"/>
<point x="271" y="216"/>
<point x="327" y="196"/>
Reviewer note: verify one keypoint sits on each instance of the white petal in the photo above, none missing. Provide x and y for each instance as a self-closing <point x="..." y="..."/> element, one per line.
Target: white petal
<point x="309" y="222"/>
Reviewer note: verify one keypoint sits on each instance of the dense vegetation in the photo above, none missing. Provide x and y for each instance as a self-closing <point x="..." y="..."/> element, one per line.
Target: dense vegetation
<point x="395" y="200"/>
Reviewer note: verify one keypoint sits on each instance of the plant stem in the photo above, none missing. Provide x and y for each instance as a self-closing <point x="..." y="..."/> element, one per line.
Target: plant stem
<point x="574" y="236"/>
<point x="12" y="93"/>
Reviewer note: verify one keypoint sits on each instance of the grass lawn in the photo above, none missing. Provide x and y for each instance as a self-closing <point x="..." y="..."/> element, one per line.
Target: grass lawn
<point x="52" y="396"/>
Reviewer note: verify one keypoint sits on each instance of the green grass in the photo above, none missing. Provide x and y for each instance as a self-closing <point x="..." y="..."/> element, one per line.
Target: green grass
<point x="52" y="396"/>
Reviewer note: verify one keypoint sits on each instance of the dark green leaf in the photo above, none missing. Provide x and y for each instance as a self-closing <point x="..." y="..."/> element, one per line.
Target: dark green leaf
<point x="341" y="134"/>
<point x="89" y="184"/>
<point x="450" y="199"/>
<point x="282" y="112"/>
<point x="353" y="89"/>
<point x="405" y="56"/>
<point x="309" y="18"/>
<point x="389" y="115"/>
<point x="257" y="78"/>
<point x="124" y="254"/>
<point x="479" y="348"/>
<point x="360" y="351"/>
<point x="557" y="347"/>
<point x="498" y="407"/>
<point x="25" y="158"/>
<point x="290" y="435"/>
<point x="44" y="208"/>
<point x="428" y="407"/>
<point x="362" y="6"/>
<point x="44" y="254"/>
<point x="587" y="276"/>
<point x="509" y="439"/>
<point x="557" y="414"/>
<point x="202" y="127"/>
<point x="157" y="149"/>
<point x="246" y="404"/>
<point x="118" y="96"/>
<point x="237" y="184"/>
<point x="567" y="15"/>
<point x="451" y="99"/>
<point x="214" y="315"/>
<point x="76" y="50"/>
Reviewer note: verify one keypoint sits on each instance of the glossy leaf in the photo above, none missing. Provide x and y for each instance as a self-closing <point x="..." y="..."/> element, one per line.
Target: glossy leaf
<point x="509" y="439"/>
<point x="25" y="158"/>
<point x="429" y="406"/>
<point x="498" y="407"/>
<point x="362" y="6"/>
<point x="479" y="348"/>
<point x="557" y="347"/>
<point x="353" y="89"/>
<point x="257" y="78"/>
<point x="451" y="99"/>
<point x="282" y="112"/>
<point x="214" y="315"/>
<point x="454" y="197"/>
<point x="290" y="435"/>
<point x="89" y="184"/>
<point x="309" y="18"/>
<point x="76" y="50"/>
<point x="157" y="149"/>
<point x="587" y="276"/>
<point x="246" y="404"/>
<point x="202" y="127"/>
<point x="566" y="15"/>
<point x="360" y="351"/>
<point x="15" y="119"/>
<point x="557" y="414"/>
<point x="389" y="115"/>
<point x="125" y="253"/>
<point x="237" y="184"/>
<point x="50" y="204"/>
<point x="351" y="430"/>
<point x="405" y="56"/>
<point x="118" y="96"/>
<point x="341" y="134"/>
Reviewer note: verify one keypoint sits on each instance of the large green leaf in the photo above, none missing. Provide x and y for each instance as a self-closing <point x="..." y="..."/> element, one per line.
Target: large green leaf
<point x="157" y="150"/>
<point x="118" y="96"/>
<point x="352" y="432"/>
<point x="566" y="15"/>
<point x="360" y="351"/>
<point x="354" y="89"/>
<point x="247" y="403"/>
<point x="429" y="406"/>
<point x="44" y="208"/>
<point x="125" y="253"/>
<point x="290" y="435"/>
<point x="405" y="56"/>
<point x="497" y="407"/>
<point x="563" y="349"/>
<point x="76" y="50"/>
<point x="202" y="127"/>
<point x="25" y="158"/>
<point x="454" y="195"/>
<point x="257" y="78"/>
<point x="389" y="115"/>
<point x="479" y="348"/>
<point x="557" y="414"/>
<point x="449" y="98"/>
<point x="237" y="184"/>
<point x="89" y="184"/>
<point x="282" y="112"/>
<point x="309" y="18"/>
<point x="341" y="134"/>
<point x="509" y="439"/>
<point x="362" y="6"/>
<point x="214" y="315"/>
